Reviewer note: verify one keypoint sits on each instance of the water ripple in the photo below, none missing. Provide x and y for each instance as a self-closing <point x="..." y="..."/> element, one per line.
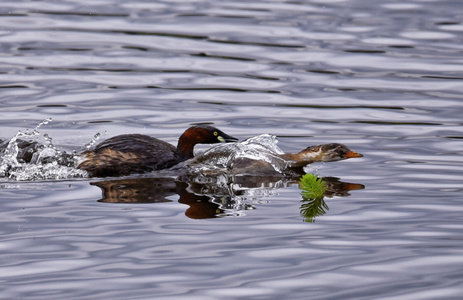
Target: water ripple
<point x="384" y="79"/>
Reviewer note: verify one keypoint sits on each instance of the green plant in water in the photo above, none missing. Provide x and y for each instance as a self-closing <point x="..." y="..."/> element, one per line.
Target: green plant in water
<point x="312" y="186"/>
<point x="313" y="191"/>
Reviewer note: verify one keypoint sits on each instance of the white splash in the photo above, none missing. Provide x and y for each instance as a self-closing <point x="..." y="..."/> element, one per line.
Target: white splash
<point x="24" y="160"/>
<point x="223" y="157"/>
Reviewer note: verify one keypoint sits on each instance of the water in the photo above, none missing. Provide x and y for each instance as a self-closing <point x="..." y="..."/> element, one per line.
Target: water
<point x="383" y="78"/>
<point x="224" y="157"/>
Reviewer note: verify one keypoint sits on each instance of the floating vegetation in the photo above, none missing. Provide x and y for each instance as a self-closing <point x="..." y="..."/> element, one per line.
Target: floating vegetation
<point x="312" y="203"/>
<point x="312" y="186"/>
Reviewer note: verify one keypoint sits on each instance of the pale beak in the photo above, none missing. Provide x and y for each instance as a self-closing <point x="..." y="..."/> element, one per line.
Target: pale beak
<point x="224" y="138"/>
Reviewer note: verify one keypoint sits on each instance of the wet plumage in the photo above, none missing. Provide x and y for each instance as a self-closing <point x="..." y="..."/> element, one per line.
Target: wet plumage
<point x="260" y="155"/>
<point x="136" y="153"/>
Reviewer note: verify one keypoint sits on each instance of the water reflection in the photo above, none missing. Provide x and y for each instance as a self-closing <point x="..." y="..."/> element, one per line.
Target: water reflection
<point x="212" y="197"/>
<point x="314" y="191"/>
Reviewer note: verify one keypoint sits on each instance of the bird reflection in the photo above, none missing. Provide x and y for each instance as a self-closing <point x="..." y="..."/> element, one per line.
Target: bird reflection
<point x="212" y="197"/>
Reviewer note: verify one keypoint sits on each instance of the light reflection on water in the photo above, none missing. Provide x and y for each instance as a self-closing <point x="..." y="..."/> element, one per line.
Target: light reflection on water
<point x="382" y="78"/>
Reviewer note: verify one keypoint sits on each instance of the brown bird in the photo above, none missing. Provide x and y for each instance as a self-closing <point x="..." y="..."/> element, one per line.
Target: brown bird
<point x="137" y="153"/>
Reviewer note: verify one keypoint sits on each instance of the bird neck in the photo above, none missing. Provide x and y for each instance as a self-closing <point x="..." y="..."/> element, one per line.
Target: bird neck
<point x="185" y="148"/>
<point x="186" y="143"/>
<point x="306" y="156"/>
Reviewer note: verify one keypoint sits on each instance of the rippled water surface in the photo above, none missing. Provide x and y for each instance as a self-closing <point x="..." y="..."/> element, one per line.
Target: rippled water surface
<point x="383" y="77"/>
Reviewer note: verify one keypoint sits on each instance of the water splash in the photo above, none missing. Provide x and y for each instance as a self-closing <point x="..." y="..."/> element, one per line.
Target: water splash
<point x="22" y="159"/>
<point x="11" y="150"/>
<point x="96" y="137"/>
<point x="224" y="157"/>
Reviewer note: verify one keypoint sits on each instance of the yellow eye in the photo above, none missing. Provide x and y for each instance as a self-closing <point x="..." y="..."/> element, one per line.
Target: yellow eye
<point x="216" y="133"/>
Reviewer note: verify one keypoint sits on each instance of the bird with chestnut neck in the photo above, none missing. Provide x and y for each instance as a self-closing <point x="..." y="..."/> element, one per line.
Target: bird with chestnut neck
<point x="136" y="153"/>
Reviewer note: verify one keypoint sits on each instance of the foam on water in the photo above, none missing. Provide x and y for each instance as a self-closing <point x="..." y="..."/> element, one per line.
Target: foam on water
<point x="223" y="157"/>
<point x="25" y="160"/>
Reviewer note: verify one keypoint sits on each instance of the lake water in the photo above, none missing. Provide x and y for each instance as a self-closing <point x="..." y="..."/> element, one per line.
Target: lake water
<point x="383" y="77"/>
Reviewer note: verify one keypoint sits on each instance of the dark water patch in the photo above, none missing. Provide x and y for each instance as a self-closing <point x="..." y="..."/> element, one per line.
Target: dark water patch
<point x="202" y="54"/>
<point x="249" y="43"/>
<point x="14" y="87"/>
<point x="247" y="8"/>
<point x="131" y="32"/>
<point x="329" y="106"/>
<point x="109" y="70"/>
<point x="349" y="90"/>
<point x="365" y="51"/>
<point x="447" y="23"/>
<point x="398" y="123"/>
<point x="13" y="14"/>
<point x="261" y="77"/>
<point x="346" y="107"/>
<point x="443" y="77"/>
<point x="79" y="14"/>
<point x="210" y="89"/>
<point x="99" y="121"/>
<point x="144" y="49"/>
<point x="324" y="71"/>
<point x="216" y="15"/>
<point x="52" y="105"/>
<point x="167" y="34"/>
<point x="401" y="46"/>
<point x="53" y="49"/>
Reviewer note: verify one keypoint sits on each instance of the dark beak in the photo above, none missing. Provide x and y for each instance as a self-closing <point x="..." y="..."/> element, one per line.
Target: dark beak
<point x="225" y="138"/>
<point x="352" y="154"/>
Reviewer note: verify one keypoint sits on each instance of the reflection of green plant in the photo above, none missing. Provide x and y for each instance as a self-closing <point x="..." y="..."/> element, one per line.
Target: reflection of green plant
<point x="313" y="190"/>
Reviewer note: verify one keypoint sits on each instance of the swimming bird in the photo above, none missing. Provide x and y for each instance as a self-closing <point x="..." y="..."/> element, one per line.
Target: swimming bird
<point x="293" y="163"/>
<point x="320" y="153"/>
<point x="261" y="155"/>
<point x="136" y="153"/>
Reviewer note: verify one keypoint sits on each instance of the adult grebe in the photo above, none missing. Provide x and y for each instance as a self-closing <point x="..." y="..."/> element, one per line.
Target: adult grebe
<point x="136" y="153"/>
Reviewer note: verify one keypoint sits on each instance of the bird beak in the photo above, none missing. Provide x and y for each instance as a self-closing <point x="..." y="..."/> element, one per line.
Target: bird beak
<point x="224" y="138"/>
<point x="352" y="154"/>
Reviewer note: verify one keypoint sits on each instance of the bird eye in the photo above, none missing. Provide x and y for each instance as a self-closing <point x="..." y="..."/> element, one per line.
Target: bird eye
<point x="216" y="133"/>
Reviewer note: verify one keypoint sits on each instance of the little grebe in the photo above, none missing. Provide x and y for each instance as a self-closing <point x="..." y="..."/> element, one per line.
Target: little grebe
<point x="137" y="153"/>
<point x="293" y="163"/>
<point x="260" y="155"/>
<point x="320" y="153"/>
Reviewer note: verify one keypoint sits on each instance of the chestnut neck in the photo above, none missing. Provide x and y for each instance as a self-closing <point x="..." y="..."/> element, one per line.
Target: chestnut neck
<point x="187" y="142"/>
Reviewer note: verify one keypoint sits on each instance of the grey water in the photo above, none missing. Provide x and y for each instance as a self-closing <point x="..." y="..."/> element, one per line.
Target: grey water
<point x="383" y="77"/>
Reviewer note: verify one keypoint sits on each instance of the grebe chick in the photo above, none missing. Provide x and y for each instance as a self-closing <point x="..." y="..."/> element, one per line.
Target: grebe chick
<point x="292" y="163"/>
<point x="260" y="155"/>
<point x="136" y="153"/>
<point x="320" y="153"/>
